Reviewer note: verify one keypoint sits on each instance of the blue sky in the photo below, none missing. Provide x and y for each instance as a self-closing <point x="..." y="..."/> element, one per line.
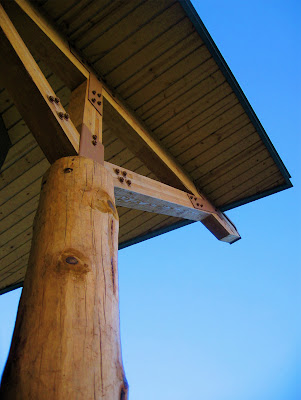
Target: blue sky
<point x="201" y="319"/>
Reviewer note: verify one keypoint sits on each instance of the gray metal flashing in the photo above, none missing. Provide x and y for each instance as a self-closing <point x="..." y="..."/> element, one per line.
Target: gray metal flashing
<point x="10" y="288"/>
<point x="256" y="197"/>
<point x="219" y="59"/>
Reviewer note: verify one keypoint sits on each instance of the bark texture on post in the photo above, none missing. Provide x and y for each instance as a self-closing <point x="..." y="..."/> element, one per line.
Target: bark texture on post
<point x="66" y="343"/>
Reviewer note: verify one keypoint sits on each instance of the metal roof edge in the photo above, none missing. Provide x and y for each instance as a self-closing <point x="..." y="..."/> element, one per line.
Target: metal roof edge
<point x="10" y="288"/>
<point x="256" y="196"/>
<point x="155" y="233"/>
<point x="219" y="59"/>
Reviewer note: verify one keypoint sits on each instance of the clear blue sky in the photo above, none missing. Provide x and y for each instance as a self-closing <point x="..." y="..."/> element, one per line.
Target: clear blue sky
<point x="201" y="319"/>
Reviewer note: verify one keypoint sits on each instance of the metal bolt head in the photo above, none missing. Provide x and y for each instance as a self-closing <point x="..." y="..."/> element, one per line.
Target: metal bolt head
<point x="51" y="99"/>
<point x="128" y="182"/>
<point x="93" y="100"/>
<point x="61" y="114"/>
<point x="121" y="179"/>
<point x="117" y="170"/>
<point x="57" y="100"/>
<point x="94" y="91"/>
<point x="94" y="137"/>
<point x="99" y="103"/>
<point x="99" y="94"/>
<point x="94" y="142"/>
<point x="124" y="173"/>
<point x="66" y="116"/>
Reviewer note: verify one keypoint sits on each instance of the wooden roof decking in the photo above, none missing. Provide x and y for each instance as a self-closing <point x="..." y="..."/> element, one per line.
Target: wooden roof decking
<point x="160" y="59"/>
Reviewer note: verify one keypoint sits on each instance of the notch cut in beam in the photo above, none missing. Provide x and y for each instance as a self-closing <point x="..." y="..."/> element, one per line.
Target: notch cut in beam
<point x="141" y="193"/>
<point x="49" y="45"/>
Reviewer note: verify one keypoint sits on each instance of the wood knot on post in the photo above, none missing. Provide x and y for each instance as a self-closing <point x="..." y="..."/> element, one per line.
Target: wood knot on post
<point x="101" y="201"/>
<point x="71" y="260"/>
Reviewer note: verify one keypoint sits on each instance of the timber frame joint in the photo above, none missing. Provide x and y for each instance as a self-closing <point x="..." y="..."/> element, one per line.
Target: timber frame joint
<point x="81" y="132"/>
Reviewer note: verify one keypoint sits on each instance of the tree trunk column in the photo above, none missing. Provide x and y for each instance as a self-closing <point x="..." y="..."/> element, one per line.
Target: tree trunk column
<point x="66" y="343"/>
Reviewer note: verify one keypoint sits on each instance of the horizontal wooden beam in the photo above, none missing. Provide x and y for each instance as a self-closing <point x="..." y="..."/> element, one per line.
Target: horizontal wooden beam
<point x="34" y="97"/>
<point x="49" y="45"/>
<point x="141" y="193"/>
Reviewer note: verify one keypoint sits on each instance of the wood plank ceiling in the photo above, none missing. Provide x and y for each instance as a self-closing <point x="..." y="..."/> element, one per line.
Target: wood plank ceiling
<point x="151" y="53"/>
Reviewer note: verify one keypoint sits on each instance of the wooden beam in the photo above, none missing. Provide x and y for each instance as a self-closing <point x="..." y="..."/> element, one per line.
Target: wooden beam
<point x="141" y="193"/>
<point x="34" y="97"/>
<point x="48" y="44"/>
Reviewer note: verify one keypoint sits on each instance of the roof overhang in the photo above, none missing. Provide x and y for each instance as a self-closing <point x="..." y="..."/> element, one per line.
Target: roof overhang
<point x="173" y="110"/>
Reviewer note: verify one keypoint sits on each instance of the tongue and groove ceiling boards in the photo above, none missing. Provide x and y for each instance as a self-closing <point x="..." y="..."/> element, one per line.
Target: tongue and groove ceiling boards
<point x="158" y="57"/>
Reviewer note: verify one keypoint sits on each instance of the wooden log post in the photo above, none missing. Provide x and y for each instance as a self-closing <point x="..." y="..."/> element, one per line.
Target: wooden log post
<point x="66" y="343"/>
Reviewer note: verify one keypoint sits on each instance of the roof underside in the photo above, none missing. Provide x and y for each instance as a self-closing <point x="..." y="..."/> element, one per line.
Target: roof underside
<point x="159" y="58"/>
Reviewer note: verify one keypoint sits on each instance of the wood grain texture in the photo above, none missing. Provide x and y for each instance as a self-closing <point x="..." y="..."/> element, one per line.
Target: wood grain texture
<point x="67" y="329"/>
<point x="138" y="192"/>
